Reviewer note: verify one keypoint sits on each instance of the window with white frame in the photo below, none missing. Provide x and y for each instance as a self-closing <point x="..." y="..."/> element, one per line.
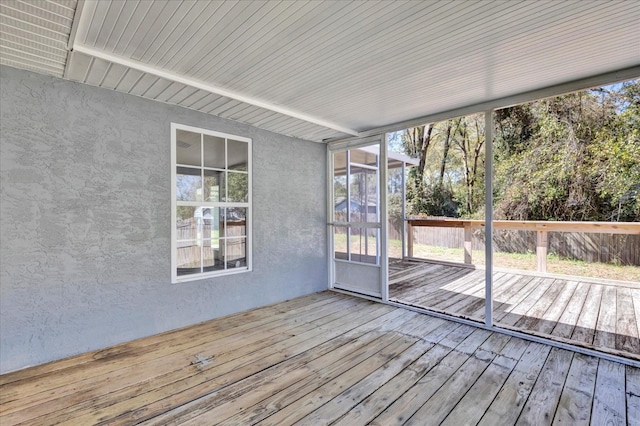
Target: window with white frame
<point x="211" y="207"/>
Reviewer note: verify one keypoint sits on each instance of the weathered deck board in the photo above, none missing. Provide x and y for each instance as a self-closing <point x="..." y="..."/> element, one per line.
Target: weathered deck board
<point x="407" y="404"/>
<point x="475" y="402"/>
<point x="633" y="396"/>
<point x="108" y="378"/>
<point x="325" y="359"/>
<point x="178" y="390"/>
<point x="603" y="315"/>
<point x="541" y="406"/>
<point x="566" y="324"/>
<point x="367" y="409"/>
<point x="626" y="324"/>
<point x="609" y="405"/>
<point x="180" y="380"/>
<point x="182" y="336"/>
<point x="476" y="307"/>
<point x="451" y="394"/>
<point x="575" y="402"/>
<point x="585" y="328"/>
<point x="507" y="405"/>
<point x="607" y="318"/>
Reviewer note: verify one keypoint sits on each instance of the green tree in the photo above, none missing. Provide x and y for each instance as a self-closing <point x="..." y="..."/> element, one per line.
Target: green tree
<point x="427" y="191"/>
<point x="469" y="141"/>
<point x="615" y="157"/>
<point x="571" y="157"/>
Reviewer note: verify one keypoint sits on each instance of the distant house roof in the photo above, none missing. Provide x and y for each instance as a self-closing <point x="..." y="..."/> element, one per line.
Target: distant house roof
<point x="355" y="206"/>
<point x="368" y="155"/>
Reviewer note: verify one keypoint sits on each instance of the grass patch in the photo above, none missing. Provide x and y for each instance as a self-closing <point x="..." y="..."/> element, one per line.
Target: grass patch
<point x="526" y="262"/>
<point x="519" y="261"/>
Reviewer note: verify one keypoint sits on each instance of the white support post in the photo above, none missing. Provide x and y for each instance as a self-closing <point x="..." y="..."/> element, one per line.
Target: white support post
<point x="365" y="205"/>
<point x="348" y="210"/>
<point x="384" y="219"/>
<point x="331" y="219"/>
<point x="404" y="212"/>
<point x="488" y="202"/>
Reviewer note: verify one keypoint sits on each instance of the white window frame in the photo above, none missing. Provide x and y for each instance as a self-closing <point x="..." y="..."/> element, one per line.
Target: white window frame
<point x="224" y="204"/>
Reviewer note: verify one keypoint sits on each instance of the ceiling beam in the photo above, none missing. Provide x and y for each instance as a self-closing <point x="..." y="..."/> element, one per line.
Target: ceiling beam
<point x="74" y="25"/>
<point x="559" y="89"/>
<point x="211" y="88"/>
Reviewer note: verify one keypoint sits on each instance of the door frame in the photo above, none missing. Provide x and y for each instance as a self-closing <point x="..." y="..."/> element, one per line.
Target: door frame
<point x="383" y="267"/>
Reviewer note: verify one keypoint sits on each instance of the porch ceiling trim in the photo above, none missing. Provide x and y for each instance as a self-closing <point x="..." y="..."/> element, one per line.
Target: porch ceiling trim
<point x="211" y="88"/>
<point x="331" y="70"/>
<point x="546" y="92"/>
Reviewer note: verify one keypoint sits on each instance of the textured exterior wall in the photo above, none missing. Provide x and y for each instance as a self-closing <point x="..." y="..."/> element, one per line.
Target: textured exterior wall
<point x="85" y="220"/>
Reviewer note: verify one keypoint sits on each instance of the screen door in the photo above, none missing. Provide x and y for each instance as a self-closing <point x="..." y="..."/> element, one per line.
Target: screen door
<point x="356" y="231"/>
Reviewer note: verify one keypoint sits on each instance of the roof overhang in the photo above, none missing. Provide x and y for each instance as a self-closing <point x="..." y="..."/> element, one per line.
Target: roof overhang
<point x="328" y="70"/>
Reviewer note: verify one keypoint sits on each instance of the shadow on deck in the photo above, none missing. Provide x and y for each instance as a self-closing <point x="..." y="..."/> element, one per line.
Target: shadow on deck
<point x="597" y="314"/>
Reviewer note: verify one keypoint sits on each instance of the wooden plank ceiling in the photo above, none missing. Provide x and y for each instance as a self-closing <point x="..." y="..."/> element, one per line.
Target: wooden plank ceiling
<point x="325" y="69"/>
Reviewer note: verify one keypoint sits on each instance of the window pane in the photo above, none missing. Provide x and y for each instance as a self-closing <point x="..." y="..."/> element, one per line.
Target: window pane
<point x="340" y="243"/>
<point x="198" y="223"/>
<point x="364" y="195"/>
<point x="188" y="257"/>
<point x="364" y="245"/>
<point x="212" y="221"/>
<point x="236" y="250"/>
<point x="212" y="174"/>
<point x="212" y="255"/>
<point x="238" y="155"/>
<point x="238" y="187"/>
<point x="365" y="156"/>
<point x="214" y="152"/>
<point x="188" y="148"/>
<point x="340" y="186"/>
<point x="187" y="225"/>
<point x="213" y="185"/>
<point x="236" y="222"/>
<point x="188" y="184"/>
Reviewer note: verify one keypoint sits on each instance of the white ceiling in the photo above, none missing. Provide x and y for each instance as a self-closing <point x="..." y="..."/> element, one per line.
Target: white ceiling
<point x="34" y="35"/>
<point x="323" y="69"/>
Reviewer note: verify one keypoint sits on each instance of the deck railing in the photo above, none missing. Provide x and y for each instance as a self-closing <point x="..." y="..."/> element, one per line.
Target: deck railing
<point x="542" y="228"/>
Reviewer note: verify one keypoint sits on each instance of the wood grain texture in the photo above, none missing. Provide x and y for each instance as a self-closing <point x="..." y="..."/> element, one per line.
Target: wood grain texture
<point x="574" y="407"/>
<point x="633" y="396"/>
<point x="326" y="358"/>
<point x="609" y="404"/>
<point x="545" y="395"/>
<point x="599" y="314"/>
<point x="509" y="402"/>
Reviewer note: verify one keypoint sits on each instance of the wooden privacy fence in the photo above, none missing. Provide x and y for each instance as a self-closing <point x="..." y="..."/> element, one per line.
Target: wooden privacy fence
<point x="196" y="243"/>
<point x="589" y="241"/>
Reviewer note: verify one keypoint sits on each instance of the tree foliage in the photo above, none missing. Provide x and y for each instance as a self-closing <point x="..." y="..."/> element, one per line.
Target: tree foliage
<point x="448" y="180"/>
<point x="571" y="157"/>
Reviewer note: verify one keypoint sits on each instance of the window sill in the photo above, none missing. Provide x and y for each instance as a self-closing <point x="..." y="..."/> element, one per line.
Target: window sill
<point x="198" y="277"/>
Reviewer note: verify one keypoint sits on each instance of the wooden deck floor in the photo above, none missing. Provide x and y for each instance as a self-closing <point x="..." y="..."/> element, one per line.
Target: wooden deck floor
<point x="601" y="315"/>
<point x="325" y="359"/>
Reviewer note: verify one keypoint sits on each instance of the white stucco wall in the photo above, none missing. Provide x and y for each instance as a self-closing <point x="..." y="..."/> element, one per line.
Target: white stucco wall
<point x="85" y="220"/>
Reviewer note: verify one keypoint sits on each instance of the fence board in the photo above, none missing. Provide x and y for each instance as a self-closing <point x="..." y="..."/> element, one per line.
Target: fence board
<point x="623" y="249"/>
